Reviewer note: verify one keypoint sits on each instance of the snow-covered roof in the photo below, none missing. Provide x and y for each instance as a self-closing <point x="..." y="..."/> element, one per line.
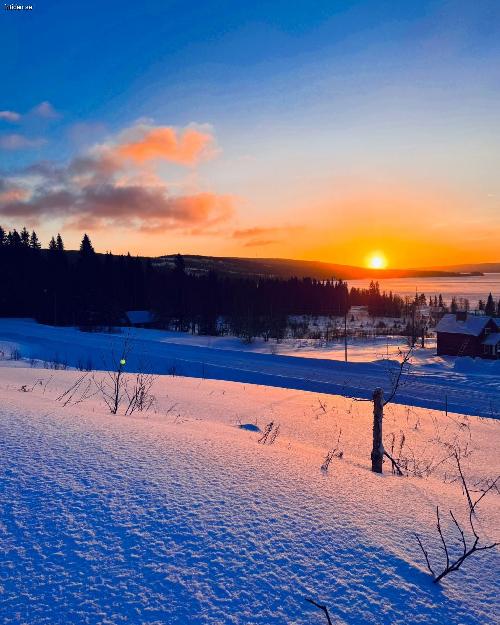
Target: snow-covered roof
<point x="472" y="325"/>
<point x="492" y="339"/>
<point x="140" y="316"/>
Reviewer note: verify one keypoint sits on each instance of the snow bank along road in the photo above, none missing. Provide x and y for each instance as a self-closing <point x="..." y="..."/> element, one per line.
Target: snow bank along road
<point x="180" y="518"/>
<point x="431" y="386"/>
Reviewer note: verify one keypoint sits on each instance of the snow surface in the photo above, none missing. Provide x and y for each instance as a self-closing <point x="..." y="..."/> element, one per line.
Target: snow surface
<point x="462" y="385"/>
<point x="179" y="516"/>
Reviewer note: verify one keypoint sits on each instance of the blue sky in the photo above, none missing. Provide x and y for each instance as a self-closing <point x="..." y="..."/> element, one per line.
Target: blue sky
<point x="322" y="115"/>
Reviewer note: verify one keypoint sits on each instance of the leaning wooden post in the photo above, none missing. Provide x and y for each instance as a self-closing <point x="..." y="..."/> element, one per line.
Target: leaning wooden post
<point x="378" y="415"/>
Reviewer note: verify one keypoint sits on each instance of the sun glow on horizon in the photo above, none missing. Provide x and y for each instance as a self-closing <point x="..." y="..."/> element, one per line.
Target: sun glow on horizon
<point x="377" y="261"/>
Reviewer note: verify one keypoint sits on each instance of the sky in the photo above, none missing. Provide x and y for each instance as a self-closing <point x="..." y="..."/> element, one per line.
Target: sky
<point x="331" y="130"/>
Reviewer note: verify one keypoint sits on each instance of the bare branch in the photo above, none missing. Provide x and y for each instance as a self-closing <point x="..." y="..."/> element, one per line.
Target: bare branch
<point x="406" y="359"/>
<point x="467" y="551"/>
<point x="426" y="555"/>
<point x="395" y="466"/>
<point x="323" y="608"/>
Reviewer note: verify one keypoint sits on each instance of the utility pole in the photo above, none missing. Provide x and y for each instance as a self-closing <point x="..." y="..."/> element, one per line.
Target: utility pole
<point x="346" y="308"/>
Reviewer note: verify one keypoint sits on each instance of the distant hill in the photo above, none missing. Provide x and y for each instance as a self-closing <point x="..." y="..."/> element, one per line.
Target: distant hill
<point x="482" y="267"/>
<point x="286" y="268"/>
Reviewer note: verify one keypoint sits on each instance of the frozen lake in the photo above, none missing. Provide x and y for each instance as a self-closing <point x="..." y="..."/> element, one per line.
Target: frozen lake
<point x="473" y="288"/>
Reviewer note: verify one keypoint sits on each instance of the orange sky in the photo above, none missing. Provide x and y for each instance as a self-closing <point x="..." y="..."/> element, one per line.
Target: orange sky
<point x="340" y="133"/>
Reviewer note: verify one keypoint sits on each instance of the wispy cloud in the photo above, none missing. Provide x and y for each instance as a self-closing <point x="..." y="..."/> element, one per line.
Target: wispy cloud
<point x="260" y="237"/>
<point x="10" y="116"/>
<point x="45" y="109"/>
<point x="15" y="141"/>
<point x="253" y="232"/>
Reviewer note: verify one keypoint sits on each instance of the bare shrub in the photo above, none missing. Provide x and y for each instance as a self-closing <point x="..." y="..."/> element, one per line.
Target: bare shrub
<point x="112" y="386"/>
<point x="273" y="348"/>
<point x="270" y="434"/>
<point x="378" y="451"/>
<point x="469" y="544"/>
<point x="15" y="354"/>
<point x="336" y="452"/>
<point x="172" y="370"/>
<point x="84" y="365"/>
<point x="139" y="393"/>
<point x="412" y="455"/>
<point x="82" y="389"/>
<point x="57" y="363"/>
<point x="26" y="388"/>
<point x="274" y="435"/>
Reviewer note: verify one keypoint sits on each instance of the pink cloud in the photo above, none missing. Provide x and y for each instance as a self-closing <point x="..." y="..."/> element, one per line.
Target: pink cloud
<point x="149" y="209"/>
<point x="11" y="193"/>
<point x="113" y="184"/>
<point x="185" y="147"/>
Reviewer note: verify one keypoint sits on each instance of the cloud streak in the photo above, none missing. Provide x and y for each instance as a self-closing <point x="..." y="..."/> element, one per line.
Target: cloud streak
<point x="15" y="141"/>
<point x="261" y="242"/>
<point x="261" y="237"/>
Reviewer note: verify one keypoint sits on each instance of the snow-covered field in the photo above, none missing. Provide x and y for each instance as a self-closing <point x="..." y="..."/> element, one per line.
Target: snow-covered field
<point x="178" y="516"/>
<point x="462" y="385"/>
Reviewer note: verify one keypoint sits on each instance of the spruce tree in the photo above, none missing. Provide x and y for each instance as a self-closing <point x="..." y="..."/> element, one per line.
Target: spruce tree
<point x="13" y="238"/>
<point x="25" y="237"/>
<point x="60" y="244"/>
<point x="34" y="242"/>
<point x="489" y="309"/>
<point x="86" y="249"/>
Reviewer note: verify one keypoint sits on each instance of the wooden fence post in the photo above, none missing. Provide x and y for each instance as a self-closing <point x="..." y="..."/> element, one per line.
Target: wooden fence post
<point x="378" y="415"/>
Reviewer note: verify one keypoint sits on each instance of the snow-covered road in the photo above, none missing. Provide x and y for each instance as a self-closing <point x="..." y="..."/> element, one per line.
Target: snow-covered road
<point x="429" y="386"/>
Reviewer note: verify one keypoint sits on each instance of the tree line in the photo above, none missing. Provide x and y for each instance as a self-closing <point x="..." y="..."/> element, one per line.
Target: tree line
<point x="90" y="290"/>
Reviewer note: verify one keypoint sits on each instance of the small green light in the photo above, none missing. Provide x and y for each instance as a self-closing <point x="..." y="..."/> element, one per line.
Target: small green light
<point x="122" y="362"/>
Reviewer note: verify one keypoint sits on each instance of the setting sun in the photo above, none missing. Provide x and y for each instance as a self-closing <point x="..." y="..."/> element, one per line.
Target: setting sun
<point x="377" y="261"/>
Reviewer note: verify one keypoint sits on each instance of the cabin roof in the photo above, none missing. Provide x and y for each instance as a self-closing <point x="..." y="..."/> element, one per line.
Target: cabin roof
<point x="139" y="316"/>
<point x="472" y="325"/>
<point x="492" y="339"/>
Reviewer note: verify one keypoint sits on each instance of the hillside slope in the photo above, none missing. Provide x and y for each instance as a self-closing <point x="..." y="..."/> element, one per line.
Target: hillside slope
<point x="181" y="517"/>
